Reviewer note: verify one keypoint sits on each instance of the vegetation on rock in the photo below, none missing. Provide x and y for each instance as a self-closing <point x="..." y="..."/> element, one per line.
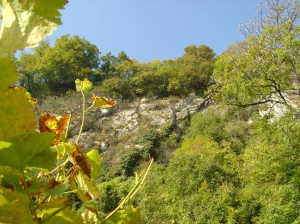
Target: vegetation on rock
<point x="234" y="161"/>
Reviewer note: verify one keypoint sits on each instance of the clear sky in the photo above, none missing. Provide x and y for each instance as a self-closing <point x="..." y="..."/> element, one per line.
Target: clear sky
<point x="155" y="29"/>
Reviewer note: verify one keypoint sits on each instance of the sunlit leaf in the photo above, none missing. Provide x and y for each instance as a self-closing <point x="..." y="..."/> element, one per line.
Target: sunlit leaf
<point x="128" y="216"/>
<point x="57" y="202"/>
<point x="91" y="206"/>
<point x="94" y="161"/>
<point x="8" y="74"/>
<point x="78" y="85"/>
<point x="9" y="202"/>
<point x="84" y="85"/>
<point x="26" y="23"/>
<point x="89" y="217"/>
<point x="28" y="150"/>
<point x="16" y="116"/>
<point x="65" y="214"/>
<point x="102" y="102"/>
<point x="84" y="188"/>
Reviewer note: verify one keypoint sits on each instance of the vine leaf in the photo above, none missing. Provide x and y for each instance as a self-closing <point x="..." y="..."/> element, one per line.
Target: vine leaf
<point x="84" y="85"/>
<point x="85" y="189"/>
<point x="57" y="125"/>
<point x="28" y="150"/>
<point x="127" y="216"/>
<point x="9" y="201"/>
<point x="81" y="161"/>
<point x="9" y="178"/>
<point x="26" y="23"/>
<point x="16" y="116"/>
<point x="65" y="214"/>
<point x="8" y="73"/>
<point x="94" y="161"/>
<point x="102" y="102"/>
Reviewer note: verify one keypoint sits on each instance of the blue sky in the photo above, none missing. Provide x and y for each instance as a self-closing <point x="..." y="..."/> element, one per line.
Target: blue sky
<point x="155" y="29"/>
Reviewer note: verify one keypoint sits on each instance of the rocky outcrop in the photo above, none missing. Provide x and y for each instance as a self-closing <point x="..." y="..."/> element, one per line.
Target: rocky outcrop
<point x="122" y="126"/>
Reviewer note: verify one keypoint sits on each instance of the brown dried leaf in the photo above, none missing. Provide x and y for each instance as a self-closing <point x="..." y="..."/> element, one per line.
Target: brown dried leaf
<point x="81" y="161"/>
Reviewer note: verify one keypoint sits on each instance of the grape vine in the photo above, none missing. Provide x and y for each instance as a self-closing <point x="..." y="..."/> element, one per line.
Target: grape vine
<point x="40" y="169"/>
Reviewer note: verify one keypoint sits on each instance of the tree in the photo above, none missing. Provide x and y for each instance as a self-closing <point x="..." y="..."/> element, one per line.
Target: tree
<point x="195" y="68"/>
<point x="27" y="72"/>
<point x="270" y="173"/>
<point x="121" y="84"/>
<point x="152" y="79"/>
<point x="108" y="65"/>
<point x="271" y="13"/>
<point x="264" y="69"/>
<point x="57" y="67"/>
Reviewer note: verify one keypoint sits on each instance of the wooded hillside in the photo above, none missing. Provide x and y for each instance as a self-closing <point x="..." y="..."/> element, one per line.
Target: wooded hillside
<point x="223" y="130"/>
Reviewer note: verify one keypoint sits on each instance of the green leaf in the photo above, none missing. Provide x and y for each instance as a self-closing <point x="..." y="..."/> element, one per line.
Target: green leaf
<point x="66" y="215"/>
<point x="13" y="101"/>
<point x="8" y="74"/>
<point x="84" y="85"/>
<point x="89" y="217"/>
<point x="60" y="148"/>
<point x="30" y="149"/>
<point x="84" y="188"/>
<point x="94" y="160"/>
<point x="26" y="23"/>
<point x="128" y="216"/>
<point x="9" y="178"/>
<point x="78" y="85"/>
<point x="16" y="114"/>
<point x="60" y="189"/>
<point x="12" y="202"/>
<point x="54" y="203"/>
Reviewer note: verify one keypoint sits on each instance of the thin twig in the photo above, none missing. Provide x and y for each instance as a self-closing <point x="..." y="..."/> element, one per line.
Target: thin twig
<point x="133" y="191"/>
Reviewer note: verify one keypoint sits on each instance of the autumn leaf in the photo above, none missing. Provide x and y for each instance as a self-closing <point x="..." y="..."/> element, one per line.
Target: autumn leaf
<point x="82" y="161"/>
<point x="57" y="125"/>
<point x="102" y="102"/>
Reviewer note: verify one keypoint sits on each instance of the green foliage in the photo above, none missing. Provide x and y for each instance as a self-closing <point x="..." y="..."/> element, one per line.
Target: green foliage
<point x="129" y="161"/>
<point x="272" y="162"/>
<point x="210" y="125"/>
<point x="195" y="69"/>
<point x="149" y="142"/>
<point x="57" y="67"/>
<point x="110" y="197"/>
<point x="196" y="187"/>
<point x="261" y="71"/>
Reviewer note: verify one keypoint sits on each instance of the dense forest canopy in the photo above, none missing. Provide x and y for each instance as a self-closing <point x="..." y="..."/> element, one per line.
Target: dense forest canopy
<point x="52" y="70"/>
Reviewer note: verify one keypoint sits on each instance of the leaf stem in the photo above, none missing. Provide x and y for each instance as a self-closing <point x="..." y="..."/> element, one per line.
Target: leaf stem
<point x="83" y="115"/>
<point x="53" y="214"/>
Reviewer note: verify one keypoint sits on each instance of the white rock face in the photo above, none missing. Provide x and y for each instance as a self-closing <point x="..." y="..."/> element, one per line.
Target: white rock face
<point x="159" y="112"/>
<point x="110" y="125"/>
